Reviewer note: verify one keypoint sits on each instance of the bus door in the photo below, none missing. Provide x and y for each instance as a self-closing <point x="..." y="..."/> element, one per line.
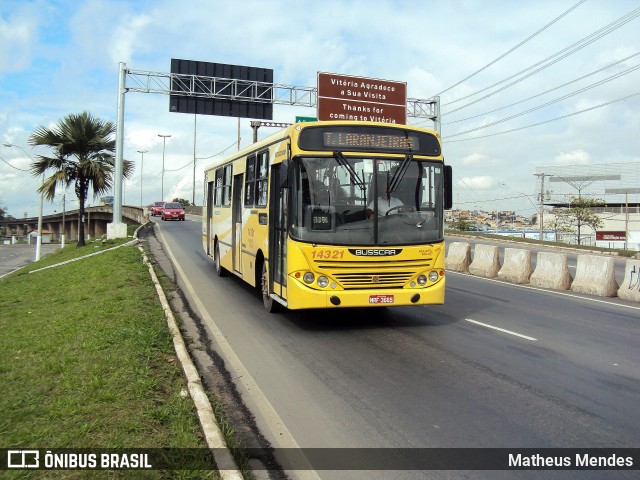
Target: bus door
<point x="278" y="206"/>
<point x="236" y="220"/>
<point x="209" y="213"/>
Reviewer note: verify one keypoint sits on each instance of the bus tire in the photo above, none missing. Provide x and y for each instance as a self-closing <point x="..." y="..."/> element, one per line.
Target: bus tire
<point x="270" y="305"/>
<point x="220" y="270"/>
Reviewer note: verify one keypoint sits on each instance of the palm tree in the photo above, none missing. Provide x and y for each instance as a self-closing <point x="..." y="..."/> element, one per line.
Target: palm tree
<point x="83" y="155"/>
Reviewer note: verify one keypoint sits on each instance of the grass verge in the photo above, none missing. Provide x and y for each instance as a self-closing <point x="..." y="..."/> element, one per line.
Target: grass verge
<point x="87" y="361"/>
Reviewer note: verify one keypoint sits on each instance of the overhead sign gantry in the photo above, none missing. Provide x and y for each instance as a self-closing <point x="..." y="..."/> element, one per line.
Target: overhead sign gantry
<point x="187" y="88"/>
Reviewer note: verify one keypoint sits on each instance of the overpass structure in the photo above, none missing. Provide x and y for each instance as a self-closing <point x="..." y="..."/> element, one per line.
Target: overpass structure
<point x="95" y="222"/>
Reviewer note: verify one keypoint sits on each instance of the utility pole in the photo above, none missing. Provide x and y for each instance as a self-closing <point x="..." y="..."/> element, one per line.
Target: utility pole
<point x="540" y="217"/>
<point x="238" y="133"/>
<point x="164" y="139"/>
<point x="497" y="211"/>
<point x="141" y="152"/>
<point x="193" y="200"/>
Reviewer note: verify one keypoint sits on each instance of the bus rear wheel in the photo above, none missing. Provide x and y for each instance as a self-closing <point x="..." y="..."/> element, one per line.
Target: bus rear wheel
<point x="270" y="305"/>
<point x="220" y="270"/>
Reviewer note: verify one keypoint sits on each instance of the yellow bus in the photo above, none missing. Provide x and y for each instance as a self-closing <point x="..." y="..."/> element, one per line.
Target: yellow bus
<point x="331" y="215"/>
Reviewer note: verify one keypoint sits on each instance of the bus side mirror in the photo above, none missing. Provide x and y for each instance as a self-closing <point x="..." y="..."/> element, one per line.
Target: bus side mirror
<point x="448" y="187"/>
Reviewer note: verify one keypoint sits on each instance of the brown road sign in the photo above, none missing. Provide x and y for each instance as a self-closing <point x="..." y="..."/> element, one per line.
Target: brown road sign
<point x="342" y="97"/>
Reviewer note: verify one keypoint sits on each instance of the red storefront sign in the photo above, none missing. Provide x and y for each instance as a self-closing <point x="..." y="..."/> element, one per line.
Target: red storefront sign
<point x="604" y="236"/>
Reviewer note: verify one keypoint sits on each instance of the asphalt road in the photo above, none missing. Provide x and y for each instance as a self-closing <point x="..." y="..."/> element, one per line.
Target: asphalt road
<point x="562" y="371"/>
<point x="16" y="256"/>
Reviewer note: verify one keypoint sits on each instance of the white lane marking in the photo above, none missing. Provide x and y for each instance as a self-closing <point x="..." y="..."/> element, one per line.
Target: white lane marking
<point x="502" y="330"/>
<point x="546" y="290"/>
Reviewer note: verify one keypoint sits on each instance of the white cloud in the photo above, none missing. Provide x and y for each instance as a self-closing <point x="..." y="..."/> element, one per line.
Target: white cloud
<point x="17" y="34"/>
<point x="575" y="157"/>
<point x="126" y="39"/>
<point x="475" y="159"/>
<point x="481" y="182"/>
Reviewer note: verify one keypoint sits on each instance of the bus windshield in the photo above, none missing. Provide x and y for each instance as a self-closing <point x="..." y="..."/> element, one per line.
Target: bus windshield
<point x="367" y="201"/>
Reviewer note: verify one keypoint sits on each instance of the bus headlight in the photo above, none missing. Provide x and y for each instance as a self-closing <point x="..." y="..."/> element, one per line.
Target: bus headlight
<point x="323" y="281"/>
<point x="433" y="276"/>
<point x="422" y="280"/>
<point x="308" y="278"/>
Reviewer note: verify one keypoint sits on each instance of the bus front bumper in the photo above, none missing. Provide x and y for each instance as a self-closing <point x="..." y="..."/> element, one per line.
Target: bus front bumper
<point x="299" y="296"/>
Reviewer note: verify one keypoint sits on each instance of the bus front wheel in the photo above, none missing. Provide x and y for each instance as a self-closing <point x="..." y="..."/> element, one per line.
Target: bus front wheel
<point x="269" y="303"/>
<point x="220" y="270"/>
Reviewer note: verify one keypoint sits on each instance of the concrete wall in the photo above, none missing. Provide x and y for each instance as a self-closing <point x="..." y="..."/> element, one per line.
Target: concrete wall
<point x="630" y="288"/>
<point x="595" y="274"/>
<point x="517" y="266"/>
<point x="486" y="261"/>
<point x="458" y="257"/>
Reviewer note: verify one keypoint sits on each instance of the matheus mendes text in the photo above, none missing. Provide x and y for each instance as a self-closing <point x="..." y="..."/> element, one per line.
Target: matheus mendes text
<point x="580" y="460"/>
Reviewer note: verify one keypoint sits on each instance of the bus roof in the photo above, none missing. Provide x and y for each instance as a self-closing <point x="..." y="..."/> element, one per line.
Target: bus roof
<point x="294" y="129"/>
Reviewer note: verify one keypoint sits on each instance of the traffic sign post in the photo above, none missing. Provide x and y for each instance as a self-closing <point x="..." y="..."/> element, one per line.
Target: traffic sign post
<point x="306" y="119"/>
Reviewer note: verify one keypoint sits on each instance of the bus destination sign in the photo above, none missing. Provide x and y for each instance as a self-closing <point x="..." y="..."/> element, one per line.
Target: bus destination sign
<point x="373" y="141"/>
<point x="369" y="138"/>
<point x="342" y="97"/>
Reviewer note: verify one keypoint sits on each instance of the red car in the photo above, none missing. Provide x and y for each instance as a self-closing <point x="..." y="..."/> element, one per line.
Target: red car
<point x="156" y="208"/>
<point x="172" y="211"/>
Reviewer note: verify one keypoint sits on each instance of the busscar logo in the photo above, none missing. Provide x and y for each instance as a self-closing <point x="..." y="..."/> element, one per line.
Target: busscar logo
<point x="375" y="252"/>
<point x="23" y="459"/>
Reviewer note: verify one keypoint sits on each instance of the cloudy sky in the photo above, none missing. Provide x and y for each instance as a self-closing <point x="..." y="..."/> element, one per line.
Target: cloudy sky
<point x="523" y="85"/>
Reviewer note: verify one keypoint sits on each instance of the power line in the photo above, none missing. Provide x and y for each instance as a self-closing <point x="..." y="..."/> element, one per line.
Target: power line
<point x="551" y="102"/>
<point x="512" y="49"/>
<point x="562" y="54"/>
<point x="21" y="169"/>
<point x="543" y="93"/>
<point x="546" y="121"/>
<point x="178" y="169"/>
<point x="219" y="153"/>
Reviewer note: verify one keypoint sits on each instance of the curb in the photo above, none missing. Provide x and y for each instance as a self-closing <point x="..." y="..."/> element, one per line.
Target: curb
<point x="227" y="467"/>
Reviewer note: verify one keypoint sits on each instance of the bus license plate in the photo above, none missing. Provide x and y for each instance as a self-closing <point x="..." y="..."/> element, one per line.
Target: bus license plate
<point x="377" y="299"/>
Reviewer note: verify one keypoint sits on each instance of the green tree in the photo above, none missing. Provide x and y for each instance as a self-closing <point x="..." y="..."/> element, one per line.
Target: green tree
<point x="183" y="201"/>
<point x="83" y="156"/>
<point x="463" y="225"/>
<point x="559" y="222"/>
<point x="580" y="213"/>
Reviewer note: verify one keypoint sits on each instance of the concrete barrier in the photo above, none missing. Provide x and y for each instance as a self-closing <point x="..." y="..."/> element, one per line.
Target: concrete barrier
<point x="458" y="257"/>
<point x="486" y="261"/>
<point x="551" y="272"/>
<point x="516" y="267"/>
<point x="595" y="275"/>
<point x="630" y="288"/>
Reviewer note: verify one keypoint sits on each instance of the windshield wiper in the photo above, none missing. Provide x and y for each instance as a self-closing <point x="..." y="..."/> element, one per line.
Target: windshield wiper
<point x="399" y="173"/>
<point x="355" y="178"/>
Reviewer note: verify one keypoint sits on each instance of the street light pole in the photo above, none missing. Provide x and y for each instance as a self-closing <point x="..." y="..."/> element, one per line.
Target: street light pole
<point x="142" y="152"/>
<point x="164" y="139"/>
<point x="39" y="237"/>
